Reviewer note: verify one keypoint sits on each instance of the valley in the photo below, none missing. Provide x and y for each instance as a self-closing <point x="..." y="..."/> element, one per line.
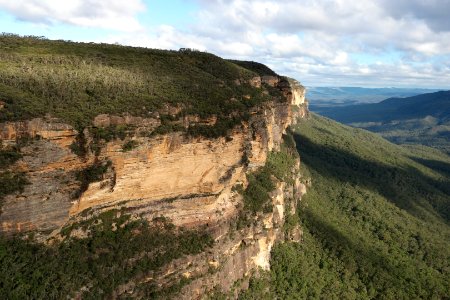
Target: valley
<point x="422" y="119"/>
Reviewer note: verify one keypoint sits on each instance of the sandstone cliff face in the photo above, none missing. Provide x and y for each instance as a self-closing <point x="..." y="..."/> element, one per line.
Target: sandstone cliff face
<point x="169" y="174"/>
<point x="188" y="180"/>
<point x="49" y="165"/>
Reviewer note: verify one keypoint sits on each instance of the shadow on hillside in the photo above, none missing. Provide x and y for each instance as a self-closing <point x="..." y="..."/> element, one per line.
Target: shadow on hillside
<point x="439" y="166"/>
<point x="406" y="188"/>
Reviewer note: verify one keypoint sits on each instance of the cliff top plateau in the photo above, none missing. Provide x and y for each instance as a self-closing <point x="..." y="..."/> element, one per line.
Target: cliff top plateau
<point x="76" y="82"/>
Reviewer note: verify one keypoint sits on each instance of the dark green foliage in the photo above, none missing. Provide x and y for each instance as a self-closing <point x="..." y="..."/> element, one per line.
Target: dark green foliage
<point x="91" y="174"/>
<point x="78" y="81"/>
<point x="102" y="135"/>
<point x="167" y="128"/>
<point x="11" y="182"/>
<point x="258" y="289"/>
<point x="280" y="164"/>
<point x="256" y="67"/>
<point x="102" y="262"/>
<point x="130" y="145"/>
<point x="256" y="194"/>
<point x="366" y="160"/>
<point x="8" y="157"/>
<point x="79" y="146"/>
<point x="260" y="184"/>
<point x="94" y="172"/>
<point x="221" y="128"/>
<point x="109" y="133"/>
<point x="290" y="222"/>
<point x="274" y="91"/>
<point x="375" y="221"/>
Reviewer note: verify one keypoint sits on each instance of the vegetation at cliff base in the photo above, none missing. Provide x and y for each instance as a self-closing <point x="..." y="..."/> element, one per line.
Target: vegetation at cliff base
<point x="375" y="221"/>
<point x="117" y="251"/>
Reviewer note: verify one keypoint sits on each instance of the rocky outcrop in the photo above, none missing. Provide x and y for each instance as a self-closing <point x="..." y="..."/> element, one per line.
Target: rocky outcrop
<point x="294" y="91"/>
<point x="105" y="120"/>
<point x="46" y="128"/>
<point x="270" y="80"/>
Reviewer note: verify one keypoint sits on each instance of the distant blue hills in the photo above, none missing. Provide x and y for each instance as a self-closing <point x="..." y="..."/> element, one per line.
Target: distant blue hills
<point x="431" y="104"/>
<point x="338" y="96"/>
<point x="421" y="119"/>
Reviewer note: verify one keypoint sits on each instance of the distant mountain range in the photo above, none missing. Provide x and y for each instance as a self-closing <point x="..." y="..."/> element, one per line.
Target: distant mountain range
<point x="340" y="96"/>
<point x="423" y="119"/>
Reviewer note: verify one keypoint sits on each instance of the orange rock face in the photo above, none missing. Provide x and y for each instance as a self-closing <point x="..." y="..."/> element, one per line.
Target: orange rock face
<point x="167" y="168"/>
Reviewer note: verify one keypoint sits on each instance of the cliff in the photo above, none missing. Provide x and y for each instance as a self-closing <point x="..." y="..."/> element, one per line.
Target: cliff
<point x="165" y="167"/>
<point x="197" y="182"/>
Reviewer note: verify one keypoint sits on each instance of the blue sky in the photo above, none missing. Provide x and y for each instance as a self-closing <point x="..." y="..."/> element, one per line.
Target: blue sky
<point x="371" y="43"/>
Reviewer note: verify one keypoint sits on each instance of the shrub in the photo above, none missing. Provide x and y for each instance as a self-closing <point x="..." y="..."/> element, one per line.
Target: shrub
<point x="255" y="195"/>
<point x="130" y="145"/>
<point x="91" y="174"/>
<point x="11" y="182"/>
<point x="9" y="156"/>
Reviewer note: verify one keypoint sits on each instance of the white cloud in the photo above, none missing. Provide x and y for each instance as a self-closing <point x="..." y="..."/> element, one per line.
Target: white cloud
<point x="113" y="14"/>
<point x="340" y="59"/>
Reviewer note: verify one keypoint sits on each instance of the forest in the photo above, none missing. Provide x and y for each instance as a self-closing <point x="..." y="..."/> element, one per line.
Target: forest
<point x="115" y="252"/>
<point x="77" y="81"/>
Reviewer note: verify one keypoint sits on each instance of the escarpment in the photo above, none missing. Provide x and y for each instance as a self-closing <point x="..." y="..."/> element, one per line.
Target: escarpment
<point x="184" y="178"/>
<point x="172" y="164"/>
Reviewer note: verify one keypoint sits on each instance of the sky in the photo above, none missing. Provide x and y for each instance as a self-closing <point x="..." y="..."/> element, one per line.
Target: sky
<point x="368" y="43"/>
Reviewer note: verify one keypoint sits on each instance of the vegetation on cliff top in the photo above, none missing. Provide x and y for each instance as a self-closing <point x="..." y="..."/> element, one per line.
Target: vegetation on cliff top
<point x="78" y="81"/>
<point x="375" y="221"/>
<point x="259" y="68"/>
